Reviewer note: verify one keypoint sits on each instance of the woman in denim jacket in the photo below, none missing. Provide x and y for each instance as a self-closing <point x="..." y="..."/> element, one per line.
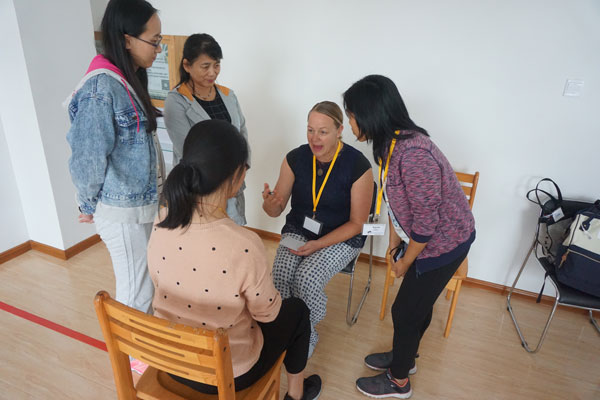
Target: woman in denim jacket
<point x="197" y="98"/>
<point x="116" y="162"/>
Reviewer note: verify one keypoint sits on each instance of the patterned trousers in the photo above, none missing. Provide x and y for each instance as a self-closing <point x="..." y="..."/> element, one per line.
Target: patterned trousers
<point x="306" y="277"/>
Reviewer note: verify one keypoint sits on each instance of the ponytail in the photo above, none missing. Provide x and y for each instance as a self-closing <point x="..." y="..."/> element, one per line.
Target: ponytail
<point x="181" y="189"/>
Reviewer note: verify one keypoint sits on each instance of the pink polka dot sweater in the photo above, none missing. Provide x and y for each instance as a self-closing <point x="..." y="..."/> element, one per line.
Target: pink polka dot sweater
<point x="215" y="275"/>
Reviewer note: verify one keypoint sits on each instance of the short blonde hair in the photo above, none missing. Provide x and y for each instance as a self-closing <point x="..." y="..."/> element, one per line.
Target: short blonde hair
<point x="330" y="109"/>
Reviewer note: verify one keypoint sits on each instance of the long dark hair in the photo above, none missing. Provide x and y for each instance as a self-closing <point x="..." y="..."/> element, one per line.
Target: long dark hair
<point x="129" y="17"/>
<point x="379" y="111"/>
<point x="214" y="154"/>
<point x="194" y="46"/>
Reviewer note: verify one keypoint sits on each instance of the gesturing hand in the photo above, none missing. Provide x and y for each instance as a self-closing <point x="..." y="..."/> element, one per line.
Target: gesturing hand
<point x="272" y="202"/>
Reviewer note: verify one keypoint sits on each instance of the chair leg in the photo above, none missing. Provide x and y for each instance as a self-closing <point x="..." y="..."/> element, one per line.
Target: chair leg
<point x="351" y="319"/>
<point x="594" y="322"/>
<point x="514" y="318"/>
<point x="452" y="308"/>
<point x="448" y="294"/>
<point x="389" y="279"/>
<point x="348" y="308"/>
<point x="276" y="386"/>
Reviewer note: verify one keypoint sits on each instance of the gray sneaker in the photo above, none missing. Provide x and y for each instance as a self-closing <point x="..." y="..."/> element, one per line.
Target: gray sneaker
<point x="383" y="361"/>
<point x="383" y="386"/>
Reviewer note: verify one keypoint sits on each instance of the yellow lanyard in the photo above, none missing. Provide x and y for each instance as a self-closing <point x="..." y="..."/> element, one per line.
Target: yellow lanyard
<point x="314" y="181"/>
<point x="382" y="180"/>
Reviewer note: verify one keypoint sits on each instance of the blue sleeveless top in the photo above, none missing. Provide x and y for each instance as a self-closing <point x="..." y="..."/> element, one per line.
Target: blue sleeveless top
<point x="333" y="209"/>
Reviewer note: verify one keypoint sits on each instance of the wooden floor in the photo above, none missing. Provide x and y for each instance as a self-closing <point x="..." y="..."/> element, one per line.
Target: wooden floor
<point x="482" y="358"/>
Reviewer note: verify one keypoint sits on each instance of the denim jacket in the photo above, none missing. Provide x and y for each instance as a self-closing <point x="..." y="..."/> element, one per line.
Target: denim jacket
<point x="114" y="159"/>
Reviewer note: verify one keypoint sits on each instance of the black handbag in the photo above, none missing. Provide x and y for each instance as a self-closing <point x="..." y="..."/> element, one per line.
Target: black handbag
<point x="569" y="236"/>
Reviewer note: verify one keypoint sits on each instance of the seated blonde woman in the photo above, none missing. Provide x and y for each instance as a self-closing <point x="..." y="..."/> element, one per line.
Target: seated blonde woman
<point x="331" y="185"/>
<point x="209" y="272"/>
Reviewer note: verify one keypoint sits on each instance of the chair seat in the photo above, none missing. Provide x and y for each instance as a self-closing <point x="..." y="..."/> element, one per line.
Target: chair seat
<point x="566" y="294"/>
<point x="158" y="385"/>
<point x="462" y="271"/>
<point x="349" y="269"/>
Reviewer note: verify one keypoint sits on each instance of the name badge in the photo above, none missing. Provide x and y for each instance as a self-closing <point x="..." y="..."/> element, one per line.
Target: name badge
<point x="373" y="229"/>
<point x="312" y="225"/>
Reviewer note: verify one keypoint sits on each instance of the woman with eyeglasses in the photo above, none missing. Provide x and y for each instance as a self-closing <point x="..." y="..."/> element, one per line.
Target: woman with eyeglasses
<point x="197" y="97"/>
<point x="426" y="200"/>
<point x="116" y="162"/>
<point x="330" y="184"/>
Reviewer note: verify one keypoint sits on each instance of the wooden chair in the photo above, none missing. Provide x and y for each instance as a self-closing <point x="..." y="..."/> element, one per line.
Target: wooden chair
<point x="193" y="353"/>
<point x="468" y="183"/>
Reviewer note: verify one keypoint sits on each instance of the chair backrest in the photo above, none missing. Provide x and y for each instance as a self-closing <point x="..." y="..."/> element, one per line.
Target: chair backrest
<point x="373" y="202"/>
<point x="197" y="354"/>
<point x="468" y="182"/>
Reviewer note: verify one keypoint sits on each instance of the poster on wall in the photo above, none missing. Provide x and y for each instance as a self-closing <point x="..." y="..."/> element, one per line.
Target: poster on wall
<point x="158" y="75"/>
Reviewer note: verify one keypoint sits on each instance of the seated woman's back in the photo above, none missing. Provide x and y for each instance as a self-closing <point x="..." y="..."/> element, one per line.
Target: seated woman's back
<point x="210" y="273"/>
<point x="214" y="275"/>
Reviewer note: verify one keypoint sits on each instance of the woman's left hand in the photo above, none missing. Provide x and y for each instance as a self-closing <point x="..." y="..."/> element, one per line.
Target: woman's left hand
<point x="400" y="267"/>
<point x="309" y="247"/>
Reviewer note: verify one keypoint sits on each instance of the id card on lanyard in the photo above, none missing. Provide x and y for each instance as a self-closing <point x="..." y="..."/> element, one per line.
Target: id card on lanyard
<point x="376" y="229"/>
<point x="311" y="223"/>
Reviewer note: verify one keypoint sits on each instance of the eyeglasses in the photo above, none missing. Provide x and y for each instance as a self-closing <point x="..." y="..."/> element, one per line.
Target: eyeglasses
<point x="153" y="44"/>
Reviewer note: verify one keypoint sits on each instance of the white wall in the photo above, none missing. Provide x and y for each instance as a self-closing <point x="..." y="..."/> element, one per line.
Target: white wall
<point x="14" y="230"/>
<point x="21" y="129"/>
<point x="97" y="7"/>
<point x="47" y="48"/>
<point x="66" y="54"/>
<point x="484" y="77"/>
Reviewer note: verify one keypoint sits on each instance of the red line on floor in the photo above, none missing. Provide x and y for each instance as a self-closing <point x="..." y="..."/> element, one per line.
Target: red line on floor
<point x="54" y="326"/>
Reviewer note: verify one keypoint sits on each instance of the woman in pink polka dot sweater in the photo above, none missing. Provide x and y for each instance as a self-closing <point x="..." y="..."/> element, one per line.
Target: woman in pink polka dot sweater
<point x="209" y="272"/>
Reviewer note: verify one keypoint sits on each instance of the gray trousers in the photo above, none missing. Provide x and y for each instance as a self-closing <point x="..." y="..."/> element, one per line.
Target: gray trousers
<point x="127" y="244"/>
<point x="306" y="277"/>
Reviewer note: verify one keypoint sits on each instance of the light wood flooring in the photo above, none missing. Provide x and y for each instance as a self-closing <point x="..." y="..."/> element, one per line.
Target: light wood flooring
<point x="482" y="358"/>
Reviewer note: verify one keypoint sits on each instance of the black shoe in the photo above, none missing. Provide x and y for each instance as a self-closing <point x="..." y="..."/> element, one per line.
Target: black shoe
<point x="383" y="386"/>
<point x="382" y="361"/>
<point x="312" y="388"/>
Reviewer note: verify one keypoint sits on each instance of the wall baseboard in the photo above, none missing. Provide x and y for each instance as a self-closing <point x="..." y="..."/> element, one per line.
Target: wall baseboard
<point x="51" y="251"/>
<point x="81" y="246"/>
<point x="471" y="282"/>
<point x="15" y="252"/>
<point x="503" y="290"/>
<point x="265" y="235"/>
